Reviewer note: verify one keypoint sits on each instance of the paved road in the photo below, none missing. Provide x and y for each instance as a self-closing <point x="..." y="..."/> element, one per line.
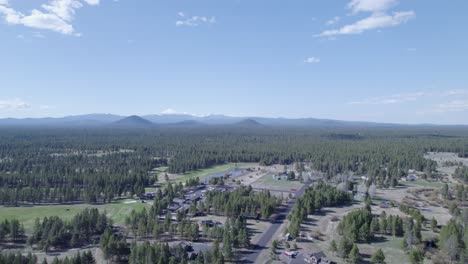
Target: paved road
<point x="252" y="256"/>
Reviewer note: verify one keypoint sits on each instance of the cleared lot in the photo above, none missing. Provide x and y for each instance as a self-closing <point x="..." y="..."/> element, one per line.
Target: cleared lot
<point x="267" y="182"/>
<point x="117" y="211"/>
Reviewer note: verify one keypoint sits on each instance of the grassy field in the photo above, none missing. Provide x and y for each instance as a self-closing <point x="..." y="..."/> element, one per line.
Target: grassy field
<point x="391" y="247"/>
<point x="267" y="182"/>
<point x="423" y="183"/>
<point x="205" y="173"/>
<point x="162" y="168"/>
<point x="117" y="211"/>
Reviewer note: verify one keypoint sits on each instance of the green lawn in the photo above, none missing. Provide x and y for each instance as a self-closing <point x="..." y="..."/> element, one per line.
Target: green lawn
<point x="391" y="248"/>
<point x="117" y="211"/>
<point x="423" y="183"/>
<point x="205" y="173"/>
<point x="162" y="168"/>
<point x="268" y="182"/>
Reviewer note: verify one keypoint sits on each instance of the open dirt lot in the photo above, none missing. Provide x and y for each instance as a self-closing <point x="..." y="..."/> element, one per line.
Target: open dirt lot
<point x="441" y="157"/>
<point x="267" y="182"/>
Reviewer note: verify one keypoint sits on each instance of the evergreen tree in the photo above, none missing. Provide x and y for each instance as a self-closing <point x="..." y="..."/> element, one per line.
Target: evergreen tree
<point x="416" y="256"/>
<point x="433" y="224"/>
<point x="344" y="247"/>
<point x="354" y="256"/>
<point x="333" y="247"/>
<point x="378" y="257"/>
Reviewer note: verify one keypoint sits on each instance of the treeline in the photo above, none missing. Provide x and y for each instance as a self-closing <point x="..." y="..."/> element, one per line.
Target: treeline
<point x="80" y="258"/>
<point x="161" y="253"/>
<point x="98" y="165"/>
<point x="361" y="226"/>
<point x="143" y="225"/>
<point x="462" y="174"/>
<point x="315" y="198"/>
<point x="54" y="232"/>
<point x="11" y="230"/>
<point x="453" y="241"/>
<point x="12" y="258"/>
<point x="233" y="234"/>
<point x="242" y="201"/>
<point x="114" y="246"/>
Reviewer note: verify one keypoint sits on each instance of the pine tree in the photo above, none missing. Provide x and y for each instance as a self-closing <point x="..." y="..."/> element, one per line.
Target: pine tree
<point x="378" y="257"/>
<point x="433" y="224"/>
<point x="416" y="256"/>
<point x="344" y="247"/>
<point x="354" y="256"/>
<point x="333" y="247"/>
<point x="227" y="244"/>
<point x="374" y="228"/>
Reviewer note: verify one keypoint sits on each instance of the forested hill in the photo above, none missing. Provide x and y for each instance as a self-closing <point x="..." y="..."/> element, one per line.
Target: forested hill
<point x="56" y="165"/>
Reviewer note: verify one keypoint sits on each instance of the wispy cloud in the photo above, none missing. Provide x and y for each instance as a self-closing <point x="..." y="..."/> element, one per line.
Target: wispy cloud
<point x="169" y="111"/>
<point x="453" y="106"/>
<point x="392" y="99"/>
<point x="371" y="5"/>
<point x="442" y="101"/>
<point x="457" y="92"/>
<point x="55" y="15"/>
<point x="194" y="21"/>
<point x="47" y="107"/>
<point x="378" y="19"/>
<point x="38" y="35"/>
<point x="333" y="21"/>
<point x="14" y="104"/>
<point x="312" y="60"/>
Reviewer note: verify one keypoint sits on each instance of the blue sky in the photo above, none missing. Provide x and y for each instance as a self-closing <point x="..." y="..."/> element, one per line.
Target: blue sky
<point x="377" y="60"/>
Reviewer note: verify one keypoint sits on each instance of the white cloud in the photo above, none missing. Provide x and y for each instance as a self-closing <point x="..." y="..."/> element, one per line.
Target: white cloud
<point x="371" y="5"/>
<point x="56" y="15"/>
<point x="375" y="21"/>
<point x="92" y="2"/>
<point x="38" y="35"/>
<point x="312" y="60"/>
<point x="393" y="99"/>
<point x="378" y="19"/>
<point x="333" y="21"/>
<point x="64" y="9"/>
<point x="47" y="107"/>
<point x="14" y="104"/>
<point x="457" y="92"/>
<point x="169" y="111"/>
<point x="453" y="106"/>
<point x="194" y="20"/>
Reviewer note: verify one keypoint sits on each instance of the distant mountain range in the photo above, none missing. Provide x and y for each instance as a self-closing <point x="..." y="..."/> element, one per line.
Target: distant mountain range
<point x="181" y="120"/>
<point x="133" y="122"/>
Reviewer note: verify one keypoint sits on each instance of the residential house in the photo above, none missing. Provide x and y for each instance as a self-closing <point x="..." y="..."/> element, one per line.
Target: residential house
<point x="317" y="258"/>
<point x="411" y="177"/>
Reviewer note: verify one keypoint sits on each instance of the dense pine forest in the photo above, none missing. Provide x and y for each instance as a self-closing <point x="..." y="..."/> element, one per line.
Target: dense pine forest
<point x="97" y="165"/>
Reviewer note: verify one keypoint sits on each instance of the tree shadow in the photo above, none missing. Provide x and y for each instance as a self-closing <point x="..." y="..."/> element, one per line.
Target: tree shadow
<point x="379" y="239"/>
